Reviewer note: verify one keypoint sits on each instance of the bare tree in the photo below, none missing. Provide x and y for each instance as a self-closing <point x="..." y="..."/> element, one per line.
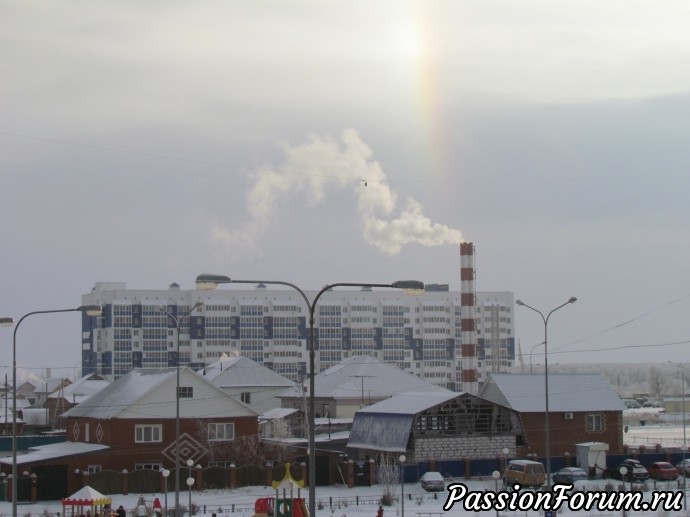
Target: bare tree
<point x="388" y="476"/>
<point x="658" y="382"/>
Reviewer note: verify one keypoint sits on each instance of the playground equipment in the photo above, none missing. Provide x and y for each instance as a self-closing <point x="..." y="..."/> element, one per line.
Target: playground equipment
<point x="285" y="506"/>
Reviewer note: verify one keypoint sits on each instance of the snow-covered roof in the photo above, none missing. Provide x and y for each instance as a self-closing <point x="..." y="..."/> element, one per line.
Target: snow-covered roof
<point x="152" y="392"/>
<point x="380" y="380"/>
<point x="80" y="390"/>
<point x="387" y="432"/>
<point x="279" y="412"/>
<point x="229" y="372"/>
<point x="55" y="450"/>
<point x="409" y="403"/>
<point x="22" y="403"/>
<point x="50" y="385"/>
<point x="567" y="392"/>
<point x="122" y="393"/>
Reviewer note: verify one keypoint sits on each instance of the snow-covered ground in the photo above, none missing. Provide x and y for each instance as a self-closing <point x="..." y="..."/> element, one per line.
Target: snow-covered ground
<point x="659" y="427"/>
<point x="421" y="504"/>
<point x="338" y="501"/>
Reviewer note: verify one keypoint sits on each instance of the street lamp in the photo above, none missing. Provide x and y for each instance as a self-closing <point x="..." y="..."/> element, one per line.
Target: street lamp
<point x="178" y="323"/>
<point x="530" y="355"/>
<point x="190" y="482"/>
<point x="211" y="281"/>
<point x="547" y="441"/>
<point x="681" y="370"/>
<point x="623" y="472"/>
<point x="165" y="473"/>
<point x="402" y="459"/>
<point x="6" y="322"/>
<point x="90" y="310"/>
<point x="496" y="475"/>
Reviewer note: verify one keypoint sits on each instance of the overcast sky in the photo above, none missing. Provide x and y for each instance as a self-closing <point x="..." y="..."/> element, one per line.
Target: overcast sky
<point x="356" y="141"/>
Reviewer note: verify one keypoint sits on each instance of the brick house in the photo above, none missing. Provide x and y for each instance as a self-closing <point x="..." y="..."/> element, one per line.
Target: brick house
<point x="582" y="408"/>
<point x="130" y="425"/>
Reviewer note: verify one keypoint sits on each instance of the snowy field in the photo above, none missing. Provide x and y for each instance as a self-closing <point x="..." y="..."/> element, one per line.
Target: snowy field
<point x="659" y="427"/>
<point x="421" y="504"/>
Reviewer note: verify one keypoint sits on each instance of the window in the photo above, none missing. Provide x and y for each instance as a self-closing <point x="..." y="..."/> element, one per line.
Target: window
<point x="92" y="469"/>
<point x="246" y="397"/>
<point x="185" y="392"/>
<point x="221" y="432"/>
<point x="148" y="466"/>
<point x="148" y="433"/>
<point x="595" y="423"/>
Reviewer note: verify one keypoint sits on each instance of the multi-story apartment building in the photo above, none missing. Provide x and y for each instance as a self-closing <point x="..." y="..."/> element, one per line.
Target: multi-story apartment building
<point x="495" y="332"/>
<point x="420" y="334"/>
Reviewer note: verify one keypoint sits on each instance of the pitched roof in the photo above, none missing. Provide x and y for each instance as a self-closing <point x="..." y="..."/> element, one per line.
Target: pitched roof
<point x="132" y="394"/>
<point x="41" y="453"/>
<point x="567" y="392"/>
<point x="410" y="403"/>
<point x="50" y="385"/>
<point x="377" y="379"/>
<point x="229" y="372"/>
<point x="80" y="390"/>
<point x="276" y="413"/>
<point x="122" y="393"/>
<point x="88" y="495"/>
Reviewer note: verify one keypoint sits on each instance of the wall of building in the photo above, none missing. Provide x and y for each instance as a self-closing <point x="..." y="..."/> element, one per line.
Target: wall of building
<point x="565" y="433"/>
<point x="119" y="435"/>
<point x="462" y="447"/>
<point x="421" y="335"/>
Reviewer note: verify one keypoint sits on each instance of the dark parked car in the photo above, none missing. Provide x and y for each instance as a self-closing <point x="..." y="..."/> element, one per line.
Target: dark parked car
<point x="662" y="471"/>
<point x="684" y="467"/>
<point x="569" y="475"/>
<point x="635" y="471"/>
<point x="432" y="482"/>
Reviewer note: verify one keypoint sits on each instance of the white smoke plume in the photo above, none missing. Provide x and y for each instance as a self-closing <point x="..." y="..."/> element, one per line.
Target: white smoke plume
<point x="327" y="162"/>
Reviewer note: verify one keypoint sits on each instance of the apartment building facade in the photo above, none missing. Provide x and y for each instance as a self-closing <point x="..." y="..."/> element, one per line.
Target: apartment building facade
<point x="419" y="334"/>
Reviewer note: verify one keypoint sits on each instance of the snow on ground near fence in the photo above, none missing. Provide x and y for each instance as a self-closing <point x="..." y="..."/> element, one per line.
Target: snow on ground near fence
<point x="418" y="503"/>
<point x="666" y="429"/>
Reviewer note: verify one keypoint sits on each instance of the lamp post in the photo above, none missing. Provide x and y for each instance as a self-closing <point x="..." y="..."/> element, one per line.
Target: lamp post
<point x="177" y="321"/>
<point x="402" y="459"/>
<point x="6" y="322"/>
<point x="165" y="473"/>
<point x="530" y="355"/>
<point x="211" y="281"/>
<point x="496" y="475"/>
<point x="547" y="440"/>
<point x="623" y="472"/>
<point x="681" y="369"/>
<point x="190" y="482"/>
<point x="90" y="310"/>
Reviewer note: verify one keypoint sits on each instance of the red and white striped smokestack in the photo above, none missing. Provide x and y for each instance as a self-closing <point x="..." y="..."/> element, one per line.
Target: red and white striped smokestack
<point x="468" y="319"/>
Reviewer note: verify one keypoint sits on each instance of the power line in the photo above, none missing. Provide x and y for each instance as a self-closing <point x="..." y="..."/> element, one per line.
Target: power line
<point x="620" y="325"/>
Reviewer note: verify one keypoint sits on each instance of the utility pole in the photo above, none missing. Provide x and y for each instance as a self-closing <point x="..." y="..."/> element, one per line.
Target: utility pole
<point x="362" y="377"/>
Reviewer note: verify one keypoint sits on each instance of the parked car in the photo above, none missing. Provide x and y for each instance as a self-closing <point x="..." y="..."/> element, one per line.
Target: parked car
<point x="432" y="482"/>
<point x="683" y="467"/>
<point x="662" y="471"/>
<point x="524" y="473"/>
<point x="569" y="475"/>
<point x="635" y="471"/>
